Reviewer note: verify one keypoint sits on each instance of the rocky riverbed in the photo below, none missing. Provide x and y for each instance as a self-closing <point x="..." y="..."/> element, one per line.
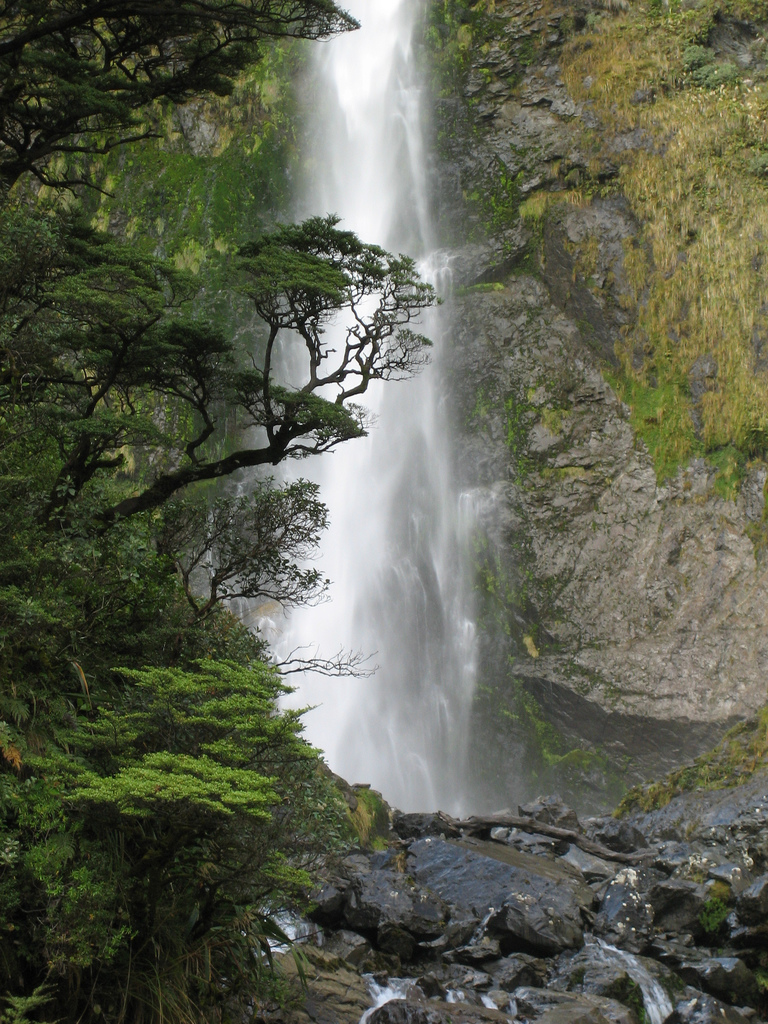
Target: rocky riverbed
<point x="539" y="916"/>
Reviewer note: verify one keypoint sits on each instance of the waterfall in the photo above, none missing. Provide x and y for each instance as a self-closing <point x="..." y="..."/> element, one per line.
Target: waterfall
<point x="396" y="549"/>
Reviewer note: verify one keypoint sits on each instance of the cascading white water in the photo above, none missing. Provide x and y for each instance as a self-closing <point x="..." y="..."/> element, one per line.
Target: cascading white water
<point x="656" y="1003"/>
<point x="397" y="543"/>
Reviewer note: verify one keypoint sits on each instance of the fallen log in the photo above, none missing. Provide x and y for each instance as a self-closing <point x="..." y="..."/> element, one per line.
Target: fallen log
<point x="481" y="826"/>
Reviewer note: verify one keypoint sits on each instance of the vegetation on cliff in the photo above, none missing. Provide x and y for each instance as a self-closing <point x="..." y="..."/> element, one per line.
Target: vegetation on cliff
<point x="676" y="96"/>
<point x="157" y="807"/>
<point x="689" y="79"/>
<point x="624" y="140"/>
<point x="742" y="752"/>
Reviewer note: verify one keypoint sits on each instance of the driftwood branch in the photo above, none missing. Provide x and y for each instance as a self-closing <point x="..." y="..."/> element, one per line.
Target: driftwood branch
<point x="479" y="826"/>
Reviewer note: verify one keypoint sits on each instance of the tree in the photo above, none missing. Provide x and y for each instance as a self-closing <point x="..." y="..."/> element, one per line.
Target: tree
<point x="247" y="547"/>
<point x="192" y="811"/>
<point x="103" y="339"/>
<point x="78" y="76"/>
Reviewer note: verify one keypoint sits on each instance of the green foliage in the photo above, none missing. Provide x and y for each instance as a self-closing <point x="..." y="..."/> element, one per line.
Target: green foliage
<point x="704" y="70"/>
<point x="247" y="547"/>
<point x="758" y="165"/>
<point x="511" y="412"/>
<point x="77" y="77"/>
<point x="661" y="415"/>
<point x="713" y="917"/>
<point x="692" y="276"/>
<point x="158" y="816"/>
<point x="628" y="992"/>
<point x="370" y="819"/>
<point x="17" y="1007"/>
<point x="544" y="743"/>
<point x="157" y="806"/>
<point x="102" y="336"/>
<point x="454" y="28"/>
<point x="731" y="465"/>
<point x="183" y="815"/>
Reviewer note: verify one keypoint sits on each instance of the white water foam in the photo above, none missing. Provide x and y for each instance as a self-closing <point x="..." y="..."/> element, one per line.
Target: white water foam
<point x="658" y="1006"/>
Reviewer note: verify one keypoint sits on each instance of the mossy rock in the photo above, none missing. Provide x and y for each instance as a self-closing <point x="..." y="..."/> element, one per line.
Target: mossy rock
<point x="371" y="818"/>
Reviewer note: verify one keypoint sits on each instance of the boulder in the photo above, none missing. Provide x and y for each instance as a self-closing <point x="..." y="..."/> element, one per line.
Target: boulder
<point x="550" y="1007"/>
<point x="486" y="948"/>
<point x="677" y="905"/>
<point x="625" y="917"/>
<point x="334" y="994"/>
<point x="328" y="905"/>
<point x="617" y="834"/>
<point x="552" y="811"/>
<point x="417" y="825"/>
<point x="528" y="842"/>
<point x="723" y="976"/>
<point x="386" y="897"/>
<point x="393" y="938"/>
<point x="594" y="869"/>
<point x="531" y="904"/>
<point x="637" y="982"/>
<point x="401" y="1011"/>
<point x="752" y="903"/>
<point x="348" y="946"/>
<point x="518" y="970"/>
<point x="699" y="1008"/>
<point x="736" y="876"/>
<point x="546" y="922"/>
<point x="432" y="986"/>
<point x="458" y="932"/>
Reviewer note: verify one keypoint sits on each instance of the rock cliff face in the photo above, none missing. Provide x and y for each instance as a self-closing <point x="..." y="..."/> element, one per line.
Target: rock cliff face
<point x="623" y="614"/>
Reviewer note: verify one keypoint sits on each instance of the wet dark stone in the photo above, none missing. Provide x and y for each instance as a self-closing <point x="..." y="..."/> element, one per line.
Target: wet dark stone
<point x="618" y="835"/>
<point x="552" y="811"/>
<point x="723" y="976"/>
<point x="329" y="905"/>
<point x="416" y="825"/>
<point x="677" y="905"/>
<point x="348" y="946"/>
<point x="400" y="1011"/>
<point x="535" y="904"/>
<point x="475" y="953"/>
<point x="389" y="897"/>
<point x="752" y="903"/>
<point x="394" y="939"/>
<point x="625" y="918"/>
<point x="520" y="969"/>
<point x="547" y="1006"/>
<point x="699" y="1008"/>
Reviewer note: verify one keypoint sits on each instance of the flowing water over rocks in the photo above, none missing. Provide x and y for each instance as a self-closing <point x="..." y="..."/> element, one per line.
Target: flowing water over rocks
<point x="447" y="924"/>
<point x="621" y="626"/>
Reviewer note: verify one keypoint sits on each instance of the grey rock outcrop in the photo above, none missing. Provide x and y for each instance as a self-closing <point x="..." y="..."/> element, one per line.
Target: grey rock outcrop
<point x="629" y="614"/>
<point x="531" y="905"/>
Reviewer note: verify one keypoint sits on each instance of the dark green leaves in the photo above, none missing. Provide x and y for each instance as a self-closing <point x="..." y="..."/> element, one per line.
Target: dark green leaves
<point x="248" y="547"/>
<point x="76" y="75"/>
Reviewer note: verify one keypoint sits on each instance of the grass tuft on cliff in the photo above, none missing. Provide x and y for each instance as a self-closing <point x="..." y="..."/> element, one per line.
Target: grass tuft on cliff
<point x="682" y="95"/>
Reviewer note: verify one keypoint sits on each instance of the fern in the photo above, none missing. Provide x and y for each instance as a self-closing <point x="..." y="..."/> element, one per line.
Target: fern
<point x="17" y="1007"/>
